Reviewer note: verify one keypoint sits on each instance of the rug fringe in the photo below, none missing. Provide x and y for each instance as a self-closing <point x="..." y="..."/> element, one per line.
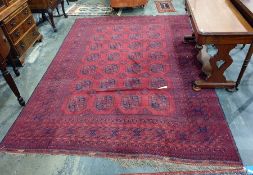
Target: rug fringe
<point x="125" y="156"/>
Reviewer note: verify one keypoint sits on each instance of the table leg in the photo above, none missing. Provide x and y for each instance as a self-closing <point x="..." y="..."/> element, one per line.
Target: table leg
<point x="216" y="79"/>
<point x="244" y="66"/>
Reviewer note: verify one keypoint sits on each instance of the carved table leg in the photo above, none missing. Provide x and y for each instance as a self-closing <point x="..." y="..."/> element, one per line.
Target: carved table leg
<point x="63" y="9"/>
<point x="11" y="83"/>
<point x="216" y="78"/>
<point x="244" y="66"/>
<point x="57" y="10"/>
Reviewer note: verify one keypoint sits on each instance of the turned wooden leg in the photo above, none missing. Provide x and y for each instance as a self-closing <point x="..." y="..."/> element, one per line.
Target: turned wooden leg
<point x="216" y="79"/>
<point x="63" y="9"/>
<point x="57" y="10"/>
<point x="11" y="83"/>
<point x="244" y="66"/>
<point x="51" y="18"/>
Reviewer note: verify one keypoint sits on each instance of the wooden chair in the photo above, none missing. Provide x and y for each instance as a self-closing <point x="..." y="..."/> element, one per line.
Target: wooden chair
<point x="46" y="6"/>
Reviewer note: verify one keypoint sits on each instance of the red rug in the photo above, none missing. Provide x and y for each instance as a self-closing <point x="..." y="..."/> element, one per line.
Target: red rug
<point x="122" y="86"/>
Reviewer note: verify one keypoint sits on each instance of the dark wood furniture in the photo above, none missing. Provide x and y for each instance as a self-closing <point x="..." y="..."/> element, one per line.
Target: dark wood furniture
<point x="4" y="51"/>
<point x="245" y="7"/>
<point x="127" y="3"/>
<point x="19" y="27"/>
<point x="219" y="23"/>
<point x="47" y="6"/>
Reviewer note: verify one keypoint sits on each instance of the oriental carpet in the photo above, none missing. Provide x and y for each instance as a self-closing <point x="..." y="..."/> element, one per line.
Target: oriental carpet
<point x="121" y="86"/>
<point x="164" y="6"/>
<point x="89" y="9"/>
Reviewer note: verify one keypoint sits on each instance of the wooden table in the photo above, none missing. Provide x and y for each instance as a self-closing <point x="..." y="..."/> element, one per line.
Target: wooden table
<point x="217" y="22"/>
<point x="127" y="3"/>
<point x="245" y="7"/>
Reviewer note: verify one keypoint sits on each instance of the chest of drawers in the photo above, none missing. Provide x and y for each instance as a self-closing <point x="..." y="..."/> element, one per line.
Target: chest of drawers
<point x="19" y="27"/>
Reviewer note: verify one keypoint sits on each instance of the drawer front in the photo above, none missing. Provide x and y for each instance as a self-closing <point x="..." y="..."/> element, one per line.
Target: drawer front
<point x="27" y="41"/>
<point x="24" y="27"/>
<point x="17" y="19"/>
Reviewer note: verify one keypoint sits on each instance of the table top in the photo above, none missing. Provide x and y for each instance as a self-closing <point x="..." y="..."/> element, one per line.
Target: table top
<point x="218" y="17"/>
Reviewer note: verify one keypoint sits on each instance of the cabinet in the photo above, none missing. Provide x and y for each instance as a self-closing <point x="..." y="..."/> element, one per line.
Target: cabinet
<point x="19" y="27"/>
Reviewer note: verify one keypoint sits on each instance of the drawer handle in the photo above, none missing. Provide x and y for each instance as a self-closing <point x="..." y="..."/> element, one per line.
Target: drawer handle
<point x="13" y="23"/>
<point x="22" y="45"/>
<point x="29" y="22"/>
<point x="17" y="34"/>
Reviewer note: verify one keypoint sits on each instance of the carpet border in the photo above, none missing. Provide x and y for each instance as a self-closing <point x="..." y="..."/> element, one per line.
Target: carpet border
<point x="123" y="156"/>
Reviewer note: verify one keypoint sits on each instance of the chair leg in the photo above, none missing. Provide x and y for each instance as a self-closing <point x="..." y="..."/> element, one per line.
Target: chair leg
<point x="51" y="19"/>
<point x="44" y="17"/>
<point x="63" y="9"/>
<point x="57" y="10"/>
<point x="67" y="2"/>
<point x="11" y="83"/>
